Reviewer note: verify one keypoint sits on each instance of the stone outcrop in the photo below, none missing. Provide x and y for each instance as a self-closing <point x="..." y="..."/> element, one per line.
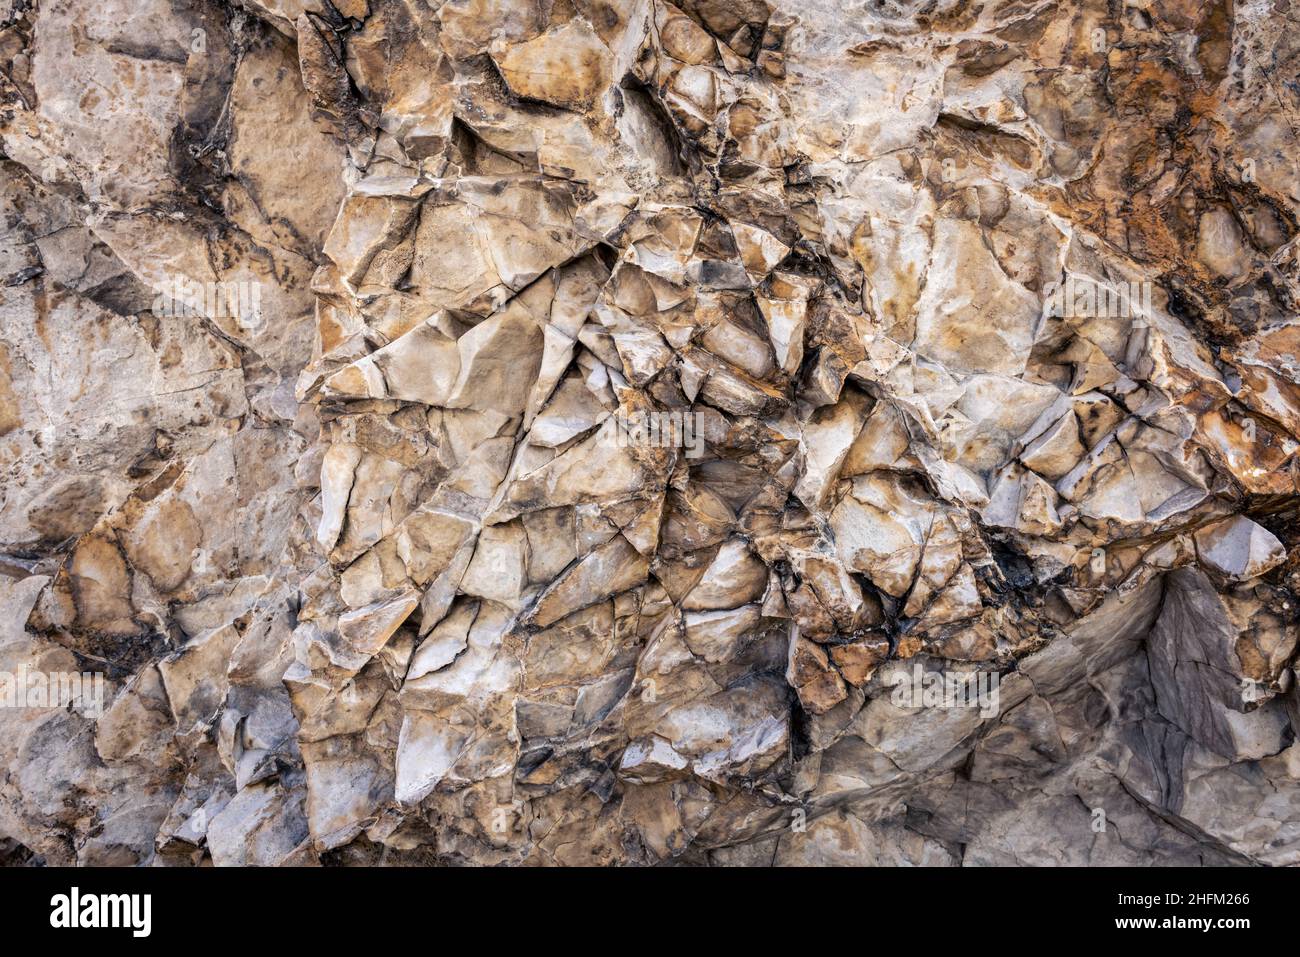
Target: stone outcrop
<point x="618" y="432"/>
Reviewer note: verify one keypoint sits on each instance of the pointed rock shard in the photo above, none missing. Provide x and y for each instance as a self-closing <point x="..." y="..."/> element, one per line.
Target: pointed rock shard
<point x="1239" y="548"/>
<point x="367" y="630"/>
<point x="760" y="251"/>
<point x="1056" y="451"/>
<point x="734" y="578"/>
<point x="499" y="359"/>
<point x="786" y="312"/>
<point x="611" y="568"/>
<point x="336" y="476"/>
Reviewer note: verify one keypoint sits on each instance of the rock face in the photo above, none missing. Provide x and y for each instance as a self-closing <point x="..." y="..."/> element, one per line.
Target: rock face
<point x="618" y="432"/>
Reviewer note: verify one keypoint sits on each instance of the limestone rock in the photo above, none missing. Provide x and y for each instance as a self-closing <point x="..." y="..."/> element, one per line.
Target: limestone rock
<point x="644" y="432"/>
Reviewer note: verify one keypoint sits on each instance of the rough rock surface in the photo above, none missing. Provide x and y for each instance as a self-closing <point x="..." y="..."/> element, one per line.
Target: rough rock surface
<point x="373" y="572"/>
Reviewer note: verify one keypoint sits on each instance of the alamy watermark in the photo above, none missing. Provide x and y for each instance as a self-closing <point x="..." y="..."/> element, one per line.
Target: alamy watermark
<point x="948" y="689"/>
<point x="75" y="910"/>
<point x="662" y="430"/>
<point x="240" y="300"/>
<point x="1086" y="298"/>
<point x="26" y="688"/>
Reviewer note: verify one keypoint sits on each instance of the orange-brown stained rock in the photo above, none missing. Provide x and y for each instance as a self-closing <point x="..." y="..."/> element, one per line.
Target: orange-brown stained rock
<point x="858" y="661"/>
<point x="566" y="66"/>
<point x="101" y="586"/>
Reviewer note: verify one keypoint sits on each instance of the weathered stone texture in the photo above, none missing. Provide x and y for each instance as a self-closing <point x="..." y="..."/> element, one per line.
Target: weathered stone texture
<point x="531" y="432"/>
